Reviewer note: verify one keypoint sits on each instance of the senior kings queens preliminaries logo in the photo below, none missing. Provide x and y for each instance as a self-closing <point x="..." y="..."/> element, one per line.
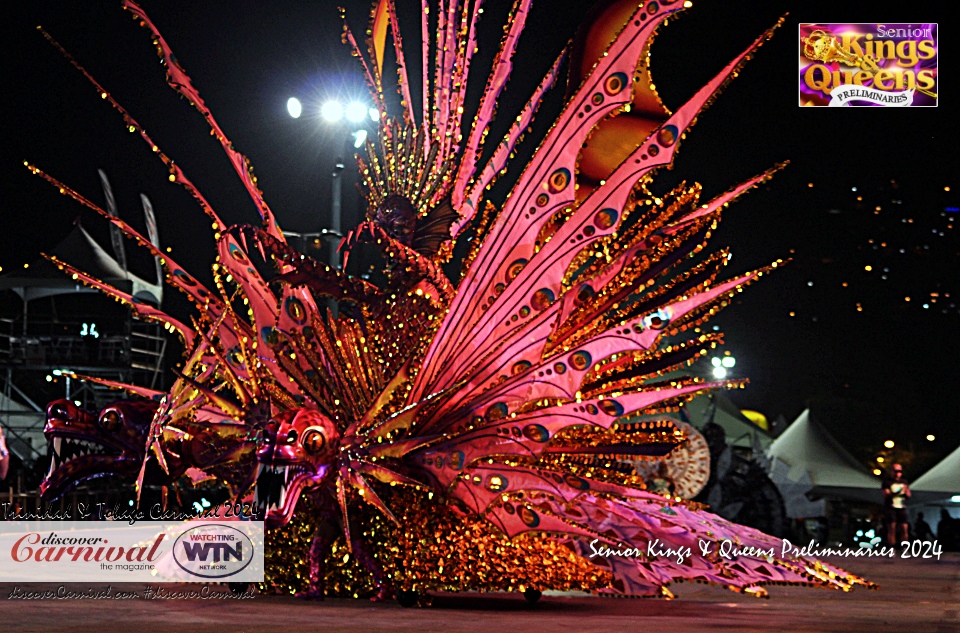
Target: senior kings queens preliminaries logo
<point x="871" y="64"/>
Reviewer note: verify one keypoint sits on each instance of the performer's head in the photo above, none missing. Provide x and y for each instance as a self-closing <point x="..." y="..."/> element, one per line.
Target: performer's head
<point x="897" y="471"/>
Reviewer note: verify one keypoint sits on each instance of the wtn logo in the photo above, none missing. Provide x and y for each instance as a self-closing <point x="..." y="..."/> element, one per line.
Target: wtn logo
<point x="217" y="551"/>
<point x="194" y="551"/>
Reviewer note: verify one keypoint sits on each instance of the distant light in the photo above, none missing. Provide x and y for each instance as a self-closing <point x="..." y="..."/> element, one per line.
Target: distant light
<point x="810" y="184"/>
<point x="332" y="111"/>
<point x="930" y="438"/>
<point x="952" y="209"/>
<point x="926" y="305"/>
<point x="854" y="189"/>
<point x="719" y="372"/>
<point x="955" y="498"/>
<point x="359" y="138"/>
<point x="76" y="402"/>
<point x="868" y="268"/>
<point x="946" y="188"/>
<point x="879" y="459"/>
<point x="888" y="443"/>
<point x="294" y="107"/>
<point x="729" y="361"/>
<point x="716" y="362"/>
<point x="877" y="472"/>
<point x="810" y="283"/>
<point x="356" y="112"/>
<point x="49" y="378"/>
<point x="374" y="114"/>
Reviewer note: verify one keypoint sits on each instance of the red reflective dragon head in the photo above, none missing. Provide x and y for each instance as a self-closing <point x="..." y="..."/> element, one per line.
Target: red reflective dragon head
<point x="297" y="455"/>
<point x="84" y="445"/>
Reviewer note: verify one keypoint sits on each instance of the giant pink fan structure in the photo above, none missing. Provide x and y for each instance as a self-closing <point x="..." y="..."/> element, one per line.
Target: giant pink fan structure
<point x="516" y="395"/>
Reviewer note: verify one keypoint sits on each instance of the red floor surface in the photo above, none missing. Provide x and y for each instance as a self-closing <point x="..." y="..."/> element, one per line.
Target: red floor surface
<point x="915" y="596"/>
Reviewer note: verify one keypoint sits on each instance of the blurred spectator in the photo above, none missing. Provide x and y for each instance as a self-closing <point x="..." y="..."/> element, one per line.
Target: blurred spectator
<point x="921" y="529"/>
<point x="948" y="532"/>
<point x="896" y="491"/>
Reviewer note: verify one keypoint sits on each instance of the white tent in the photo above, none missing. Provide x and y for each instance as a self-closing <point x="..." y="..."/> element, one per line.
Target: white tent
<point x="43" y="279"/>
<point x="941" y="481"/>
<point x="936" y="491"/>
<point x="807" y="449"/>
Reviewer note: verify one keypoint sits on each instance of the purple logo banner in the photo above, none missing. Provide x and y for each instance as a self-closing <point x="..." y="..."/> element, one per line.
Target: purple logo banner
<point x="868" y="65"/>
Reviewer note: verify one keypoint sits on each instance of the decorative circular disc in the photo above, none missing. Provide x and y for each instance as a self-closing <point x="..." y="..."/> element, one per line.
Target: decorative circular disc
<point x="687" y="466"/>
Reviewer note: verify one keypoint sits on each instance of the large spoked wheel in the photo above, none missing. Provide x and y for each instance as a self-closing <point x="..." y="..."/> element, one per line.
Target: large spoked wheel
<point x="532" y="595"/>
<point x="407" y="599"/>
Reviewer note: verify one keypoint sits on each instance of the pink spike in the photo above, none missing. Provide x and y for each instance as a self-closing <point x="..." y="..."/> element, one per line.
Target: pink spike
<point x="120" y="386"/>
<point x="502" y="67"/>
<point x="634" y="335"/>
<point x="466" y="203"/>
<point x="371" y="79"/>
<point x="462" y="66"/>
<point x="426" y="119"/>
<point x="487" y="440"/>
<point x="176" y="172"/>
<point x="401" y="62"/>
<point x="559" y="150"/>
<point x="179" y="81"/>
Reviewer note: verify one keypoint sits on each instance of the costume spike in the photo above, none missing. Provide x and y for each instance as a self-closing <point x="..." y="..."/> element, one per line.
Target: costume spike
<point x="179" y="81"/>
<point x="176" y="174"/>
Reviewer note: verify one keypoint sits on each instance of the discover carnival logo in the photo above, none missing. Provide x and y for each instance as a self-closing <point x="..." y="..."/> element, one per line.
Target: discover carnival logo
<point x="868" y="65"/>
<point x="83" y="551"/>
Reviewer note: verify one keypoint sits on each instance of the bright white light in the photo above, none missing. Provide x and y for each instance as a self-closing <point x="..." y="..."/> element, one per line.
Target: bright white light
<point x="374" y="114"/>
<point x="332" y="111"/>
<point x="294" y="107"/>
<point x="359" y="138"/>
<point x="715" y="361"/>
<point x="955" y="498"/>
<point x="719" y="372"/>
<point x="356" y="112"/>
<point x="729" y="361"/>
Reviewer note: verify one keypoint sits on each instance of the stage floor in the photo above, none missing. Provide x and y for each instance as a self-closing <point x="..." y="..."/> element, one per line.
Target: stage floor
<point x="915" y="596"/>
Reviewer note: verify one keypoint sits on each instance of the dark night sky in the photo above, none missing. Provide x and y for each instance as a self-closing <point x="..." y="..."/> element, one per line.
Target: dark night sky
<point x="892" y="365"/>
